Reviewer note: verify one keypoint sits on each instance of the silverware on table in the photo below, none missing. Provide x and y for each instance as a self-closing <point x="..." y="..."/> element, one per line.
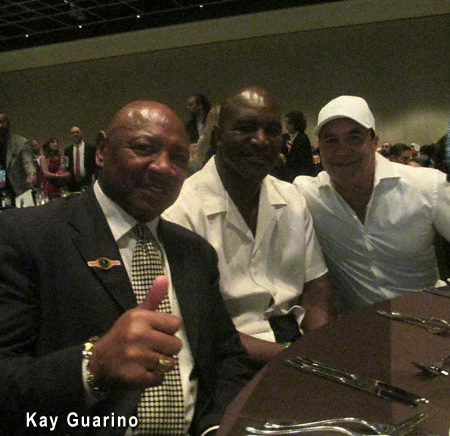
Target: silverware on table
<point x="444" y="291"/>
<point x="315" y="429"/>
<point x="441" y="367"/>
<point x="380" y="429"/>
<point x="433" y="325"/>
<point x="370" y="385"/>
<point x="401" y="429"/>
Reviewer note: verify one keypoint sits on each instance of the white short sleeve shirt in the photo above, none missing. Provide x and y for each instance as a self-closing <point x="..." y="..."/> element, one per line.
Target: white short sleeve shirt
<point x="261" y="275"/>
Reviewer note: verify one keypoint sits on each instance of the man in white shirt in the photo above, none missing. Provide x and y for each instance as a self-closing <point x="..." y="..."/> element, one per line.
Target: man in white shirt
<point x="76" y="351"/>
<point x="375" y="220"/>
<point x="272" y="273"/>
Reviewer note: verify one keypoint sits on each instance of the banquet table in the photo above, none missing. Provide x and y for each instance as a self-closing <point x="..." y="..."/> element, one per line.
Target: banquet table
<point x="364" y="343"/>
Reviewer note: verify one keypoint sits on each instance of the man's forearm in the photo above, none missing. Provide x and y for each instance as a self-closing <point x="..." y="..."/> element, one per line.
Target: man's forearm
<point x="318" y="302"/>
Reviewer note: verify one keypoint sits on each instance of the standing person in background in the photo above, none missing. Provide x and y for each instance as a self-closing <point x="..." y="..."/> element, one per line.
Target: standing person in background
<point x="15" y="159"/>
<point x="36" y="150"/>
<point x="81" y="157"/>
<point x="198" y="106"/>
<point x="297" y="149"/>
<point x="53" y="175"/>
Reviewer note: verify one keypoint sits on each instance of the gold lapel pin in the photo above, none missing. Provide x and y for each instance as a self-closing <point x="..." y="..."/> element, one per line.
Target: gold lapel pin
<point x="103" y="263"/>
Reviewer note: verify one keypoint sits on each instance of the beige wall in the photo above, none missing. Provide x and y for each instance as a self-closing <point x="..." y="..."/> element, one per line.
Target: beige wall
<point x="402" y="67"/>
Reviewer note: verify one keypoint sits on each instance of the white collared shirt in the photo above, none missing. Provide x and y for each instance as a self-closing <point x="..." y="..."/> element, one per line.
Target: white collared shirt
<point x="121" y="225"/>
<point x="392" y="252"/>
<point x="275" y="263"/>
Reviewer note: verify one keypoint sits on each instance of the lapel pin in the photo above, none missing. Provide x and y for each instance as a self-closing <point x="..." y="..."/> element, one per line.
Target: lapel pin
<point x="103" y="263"/>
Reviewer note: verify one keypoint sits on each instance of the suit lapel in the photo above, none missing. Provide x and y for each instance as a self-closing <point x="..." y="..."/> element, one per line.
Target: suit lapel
<point x="94" y="240"/>
<point x="183" y="275"/>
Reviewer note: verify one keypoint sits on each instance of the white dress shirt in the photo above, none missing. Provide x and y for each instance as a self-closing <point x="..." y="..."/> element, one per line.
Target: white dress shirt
<point x="274" y="264"/>
<point x="121" y="225"/>
<point x="392" y="252"/>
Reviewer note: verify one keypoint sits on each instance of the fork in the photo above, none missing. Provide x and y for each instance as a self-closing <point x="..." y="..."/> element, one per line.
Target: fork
<point x="402" y="428"/>
<point x="319" y="428"/>
<point x="430" y="324"/>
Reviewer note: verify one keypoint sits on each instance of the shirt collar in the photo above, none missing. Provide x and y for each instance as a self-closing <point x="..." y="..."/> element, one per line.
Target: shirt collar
<point x="384" y="169"/>
<point x="119" y="221"/>
<point x="218" y="199"/>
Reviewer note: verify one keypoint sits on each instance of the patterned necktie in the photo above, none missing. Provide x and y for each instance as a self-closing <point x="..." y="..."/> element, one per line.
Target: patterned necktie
<point x="160" y="408"/>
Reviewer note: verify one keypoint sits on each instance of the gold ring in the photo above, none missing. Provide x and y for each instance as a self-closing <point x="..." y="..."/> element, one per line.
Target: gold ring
<point x="164" y="365"/>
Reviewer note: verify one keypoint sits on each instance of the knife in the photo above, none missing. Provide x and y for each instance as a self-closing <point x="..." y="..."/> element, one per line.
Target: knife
<point x="370" y="385"/>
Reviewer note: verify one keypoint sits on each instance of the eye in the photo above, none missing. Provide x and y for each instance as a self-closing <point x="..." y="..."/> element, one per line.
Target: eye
<point x="180" y="159"/>
<point x="144" y="149"/>
<point x="330" y="141"/>
<point x="245" y="127"/>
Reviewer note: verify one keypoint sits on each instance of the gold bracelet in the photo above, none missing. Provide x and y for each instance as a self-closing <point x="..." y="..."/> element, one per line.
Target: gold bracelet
<point x="95" y="389"/>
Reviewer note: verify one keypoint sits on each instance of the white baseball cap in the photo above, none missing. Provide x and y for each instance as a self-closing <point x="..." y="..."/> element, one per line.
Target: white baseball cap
<point x="346" y="106"/>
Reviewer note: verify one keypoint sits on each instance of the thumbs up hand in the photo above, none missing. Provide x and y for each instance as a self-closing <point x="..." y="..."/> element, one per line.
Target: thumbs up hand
<point x="128" y="356"/>
<point x="156" y="294"/>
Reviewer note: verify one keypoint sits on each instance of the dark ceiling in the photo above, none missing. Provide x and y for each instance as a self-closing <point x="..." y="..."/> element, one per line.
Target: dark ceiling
<point x="30" y="23"/>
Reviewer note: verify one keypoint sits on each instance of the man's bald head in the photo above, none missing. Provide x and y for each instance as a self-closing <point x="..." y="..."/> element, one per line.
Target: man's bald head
<point x="251" y="96"/>
<point x="249" y="135"/>
<point x="143" y="158"/>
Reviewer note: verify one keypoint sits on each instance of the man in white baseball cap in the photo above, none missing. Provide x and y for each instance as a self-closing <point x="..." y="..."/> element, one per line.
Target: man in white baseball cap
<point x="376" y="220"/>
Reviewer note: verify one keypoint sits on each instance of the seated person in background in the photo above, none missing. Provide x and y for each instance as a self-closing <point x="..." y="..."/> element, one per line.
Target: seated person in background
<point x="53" y="176"/>
<point x="384" y="149"/>
<point x="376" y="221"/>
<point x="426" y="155"/>
<point x="400" y="153"/>
<point x="272" y="274"/>
<point x="80" y="337"/>
<point x="296" y="149"/>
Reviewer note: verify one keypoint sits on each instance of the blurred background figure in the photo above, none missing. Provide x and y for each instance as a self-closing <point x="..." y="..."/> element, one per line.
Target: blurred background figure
<point x="81" y="161"/>
<point x="384" y="149"/>
<point x="400" y="153"/>
<point x="426" y="155"/>
<point x="36" y="150"/>
<point x="207" y="143"/>
<point x="296" y="152"/>
<point x="198" y="106"/>
<point x="53" y="176"/>
<point x="16" y="162"/>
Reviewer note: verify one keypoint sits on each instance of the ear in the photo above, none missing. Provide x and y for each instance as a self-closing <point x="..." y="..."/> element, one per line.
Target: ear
<point x="102" y="144"/>
<point x="375" y="142"/>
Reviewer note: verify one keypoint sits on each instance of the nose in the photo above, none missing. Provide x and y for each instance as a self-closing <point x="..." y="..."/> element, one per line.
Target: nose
<point x="260" y="137"/>
<point x="162" y="163"/>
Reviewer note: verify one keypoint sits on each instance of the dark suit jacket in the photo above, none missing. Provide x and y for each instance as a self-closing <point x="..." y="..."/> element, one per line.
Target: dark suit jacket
<point x="19" y="163"/>
<point x="299" y="160"/>
<point x="90" y="167"/>
<point x="192" y="130"/>
<point x="52" y="302"/>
